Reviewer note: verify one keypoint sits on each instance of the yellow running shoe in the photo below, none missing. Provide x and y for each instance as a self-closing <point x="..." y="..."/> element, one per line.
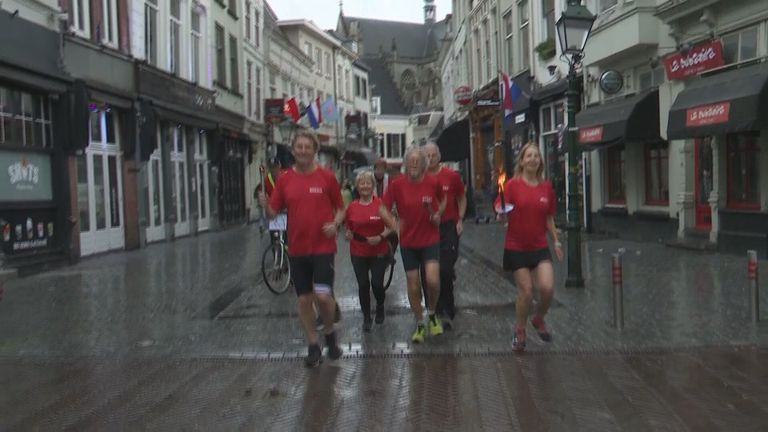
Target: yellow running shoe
<point x="435" y="327"/>
<point x="418" y="335"/>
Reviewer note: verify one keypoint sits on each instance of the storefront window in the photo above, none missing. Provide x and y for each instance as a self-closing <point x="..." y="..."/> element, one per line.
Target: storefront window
<point x="657" y="173"/>
<point x="742" y="171"/>
<point x="614" y="161"/>
<point x="25" y="119"/>
<point x="82" y="193"/>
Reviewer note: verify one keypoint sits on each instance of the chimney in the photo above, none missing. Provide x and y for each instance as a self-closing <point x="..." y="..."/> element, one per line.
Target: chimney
<point x="429" y="12"/>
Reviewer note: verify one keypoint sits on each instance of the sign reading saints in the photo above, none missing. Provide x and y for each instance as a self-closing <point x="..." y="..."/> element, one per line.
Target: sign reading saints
<point x="24" y="175"/>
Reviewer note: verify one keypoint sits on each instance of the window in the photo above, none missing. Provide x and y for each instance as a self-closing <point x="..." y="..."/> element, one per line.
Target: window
<point x="233" y="65"/>
<point x="479" y="57"/>
<point x="357" y="86"/>
<point x="395" y="145"/>
<point x="339" y="81"/>
<point x="604" y="5"/>
<point x="257" y="28"/>
<point x="740" y="46"/>
<point x="308" y="49"/>
<point x="743" y="171"/>
<point x="258" y="93"/>
<point x="509" y="40"/>
<point x="348" y="83"/>
<point x="174" y="41"/>
<point x="150" y="31"/>
<point x="221" y="62"/>
<point x="376" y="105"/>
<point x="657" y="173"/>
<point x="488" y="56"/>
<point x="651" y="79"/>
<point x="247" y="21"/>
<point x="81" y="14"/>
<point x="328" y="65"/>
<point x="614" y="161"/>
<point x="318" y="61"/>
<point x="272" y="84"/>
<point x="548" y="18"/>
<point x="232" y="9"/>
<point x="249" y="87"/>
<point x="364" y="88"/>
<point x="285" y="87"/>
<point x="525" y="36"/>
<point x="25" y="119"/>
<point x="109" y="9"/>
<point x="194" y="46"/>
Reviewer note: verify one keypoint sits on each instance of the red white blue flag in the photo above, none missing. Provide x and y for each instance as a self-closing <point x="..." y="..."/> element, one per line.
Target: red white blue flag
<point x="510" y="92"/>
<point x="315" y="114"/>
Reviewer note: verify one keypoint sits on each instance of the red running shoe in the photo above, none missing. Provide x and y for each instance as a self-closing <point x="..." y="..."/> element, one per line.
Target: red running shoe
<point x="518" y="341"/>
<point x="541" y="328"/>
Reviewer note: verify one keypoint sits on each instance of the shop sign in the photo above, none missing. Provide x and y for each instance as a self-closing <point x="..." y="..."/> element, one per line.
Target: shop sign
<point x="520" y="118"/>
<point x="25" y="176"/>
<point x="708" y="114"/>
<point x="463" y="95"/>
<point x="591" y="135"/>
<point x="701" y="58"/>
<point x="274" y="110"/>
<point x="26" y="229"/>
<point x="611" y="81"/>
<point x="487" y="103"/>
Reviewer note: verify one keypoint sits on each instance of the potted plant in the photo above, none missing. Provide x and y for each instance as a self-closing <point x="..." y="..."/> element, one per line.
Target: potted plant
<point x="546" y="49"/>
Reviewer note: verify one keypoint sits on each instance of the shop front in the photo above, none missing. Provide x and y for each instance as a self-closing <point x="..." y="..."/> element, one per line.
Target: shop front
<point x="629" y="168"/>
<point x="232" y="156"/>
<point x="722" y="116"/>
<point x="550" y="105"/>
<point x="176" y="121"/>
<point x="34" y="141"/>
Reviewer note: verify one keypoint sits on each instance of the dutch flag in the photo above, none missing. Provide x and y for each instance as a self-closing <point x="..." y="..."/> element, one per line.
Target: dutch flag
<point x="315" y="114"/>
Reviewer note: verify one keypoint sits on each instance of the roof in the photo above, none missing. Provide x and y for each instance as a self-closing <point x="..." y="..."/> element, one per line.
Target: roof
<point x="413" y="40"/>
<point x="384" y="87"/>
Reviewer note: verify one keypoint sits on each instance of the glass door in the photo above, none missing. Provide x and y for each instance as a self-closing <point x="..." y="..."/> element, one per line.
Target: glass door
<point x="100" y="186"/>
<point x="201" y="186"/>
<point x="156" y="209"/>
<point x="704" y="179"/>
<point x="180" y="181"/>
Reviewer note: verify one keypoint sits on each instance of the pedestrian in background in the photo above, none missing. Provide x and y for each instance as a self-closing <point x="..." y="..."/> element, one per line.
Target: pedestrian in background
<point x="381" y="176"/>
<point x="451" y="227"/>
<point x="312" y="196"/>
<point x="368" y="225"/>
<point x="420" y="204"/>
<point x="530" y="205"/>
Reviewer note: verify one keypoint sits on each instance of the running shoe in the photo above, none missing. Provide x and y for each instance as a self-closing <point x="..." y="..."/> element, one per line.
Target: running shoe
<point x="447" y="323"/>
<point x="435" y="326"/>
<point x="518" y="341"/>
<point x="419" y="334"/>
<point x="379" y="314"/>
<point x="314" y="356"/>
<point x="541" y="328"/>
<point x="367" y="324"/>
<point x="334" y="351"/>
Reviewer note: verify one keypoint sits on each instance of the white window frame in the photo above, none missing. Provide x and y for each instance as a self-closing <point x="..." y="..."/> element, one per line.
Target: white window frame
<point x="195" y="53"/>
<point x="509" y="39"/>
<point x="175" y="58"/>
<point x="155" y="46"/>
<point x="602" y="8"/>
<point x="328" y="65"/>
<point x="318" y="61"/>
<point x="249" y="88"/>
<point x="257" y="27"/>
<point x="110" y="36"/>
<point x="375" y="105"/>
<point x="524" y="26"/>
<point x="247" y="20"/>
<point x="739" y="35"/>
<point x="257" y="97"/>
<point x="81" y="8"/>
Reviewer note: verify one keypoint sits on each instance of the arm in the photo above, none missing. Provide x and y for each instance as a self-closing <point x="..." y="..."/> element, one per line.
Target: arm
<point x="553" y="232"/>
<point x="390" y="225"/>
<point x="462" y="203"/>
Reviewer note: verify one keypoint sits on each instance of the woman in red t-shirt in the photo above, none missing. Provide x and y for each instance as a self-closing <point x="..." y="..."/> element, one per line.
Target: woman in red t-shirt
<point x="530" y="205"/>
<point x="368" y="225"/>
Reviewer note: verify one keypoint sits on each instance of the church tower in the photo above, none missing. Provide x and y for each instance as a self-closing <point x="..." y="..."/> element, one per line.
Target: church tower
<point x="429" y="12"/>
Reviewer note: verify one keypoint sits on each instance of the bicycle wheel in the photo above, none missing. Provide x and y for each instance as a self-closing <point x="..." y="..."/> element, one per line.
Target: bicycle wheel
<point x="275" y="269"/>
<point x="389" y="272"/>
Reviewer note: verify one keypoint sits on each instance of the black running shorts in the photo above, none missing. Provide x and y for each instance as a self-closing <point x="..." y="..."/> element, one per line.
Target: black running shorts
<point x="309" y="270"/>
<point x="414" y="258"/>
<point x="515" y="260"/>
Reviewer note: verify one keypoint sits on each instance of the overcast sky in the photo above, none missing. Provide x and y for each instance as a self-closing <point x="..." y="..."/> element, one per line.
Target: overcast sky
<point x="325" y="12"/>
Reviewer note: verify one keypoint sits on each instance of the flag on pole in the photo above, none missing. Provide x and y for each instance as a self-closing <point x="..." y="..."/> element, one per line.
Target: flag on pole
<point x="330" y="113"/>
<point x="292" y="109"/>
<point x="314" y="114"/>
<point x="505" y="91"/>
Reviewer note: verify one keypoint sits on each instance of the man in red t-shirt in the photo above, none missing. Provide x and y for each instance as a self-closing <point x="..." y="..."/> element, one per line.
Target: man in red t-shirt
<point x="420" y="204"/>
<point x="312" y="196"/>
<point x="451" y="227"/>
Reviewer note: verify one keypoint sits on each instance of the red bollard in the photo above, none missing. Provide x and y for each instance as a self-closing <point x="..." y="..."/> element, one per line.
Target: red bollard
<point x="618" y="292"/>
<point x="754" y="288"/>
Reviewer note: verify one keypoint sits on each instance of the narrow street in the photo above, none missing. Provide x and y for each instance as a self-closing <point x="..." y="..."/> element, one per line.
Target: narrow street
<point x="185" y="336"/>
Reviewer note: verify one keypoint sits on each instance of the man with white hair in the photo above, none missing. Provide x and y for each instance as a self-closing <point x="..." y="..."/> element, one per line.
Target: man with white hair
<point x="451" y="227"/>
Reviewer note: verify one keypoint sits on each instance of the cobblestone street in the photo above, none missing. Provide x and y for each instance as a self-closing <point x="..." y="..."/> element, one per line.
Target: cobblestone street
<point x="184" y="336"/>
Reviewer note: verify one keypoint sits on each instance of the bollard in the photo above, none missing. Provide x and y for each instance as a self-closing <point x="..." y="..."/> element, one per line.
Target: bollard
<point x="754" y="287"/>
<point x="618" y="292"/>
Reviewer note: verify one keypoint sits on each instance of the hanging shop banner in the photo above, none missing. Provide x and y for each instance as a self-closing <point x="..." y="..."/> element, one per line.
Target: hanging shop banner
<point x="25" y="176"/>
<point x="700" y="58"/>
<point x="708" y="114"/>
<point x="591" y="135"/>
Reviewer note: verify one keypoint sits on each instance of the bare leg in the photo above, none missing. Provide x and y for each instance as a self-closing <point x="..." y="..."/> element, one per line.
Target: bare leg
<point x="432" y="270"/>
<point x="524" y="284"/>
<point x="414" y="293"/>
<point x="327" y="305"/>
<point x="307" y="317"/>
<point x="544" y="276"/>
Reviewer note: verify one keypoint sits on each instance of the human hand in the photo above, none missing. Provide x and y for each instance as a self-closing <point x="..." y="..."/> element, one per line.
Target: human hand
<point x="373" y="241"/>
<point x="559" y="251"/>
<point x="262" y="199"/>
<point x="348" y="235"/>
<point x="459" y="226"/>
<point x="330" y="230"/>
<point x="435" y="218"/>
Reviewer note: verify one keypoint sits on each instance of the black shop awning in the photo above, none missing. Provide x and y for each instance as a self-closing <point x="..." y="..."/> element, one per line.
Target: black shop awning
<point x="454" y="142"/>
<point x="634" y="118"/>
<point x="732" y="101"/>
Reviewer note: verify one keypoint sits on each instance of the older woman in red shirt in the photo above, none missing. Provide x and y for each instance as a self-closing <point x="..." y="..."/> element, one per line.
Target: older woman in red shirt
<point x="368" y="225"/>
<point x="530" y="207"/>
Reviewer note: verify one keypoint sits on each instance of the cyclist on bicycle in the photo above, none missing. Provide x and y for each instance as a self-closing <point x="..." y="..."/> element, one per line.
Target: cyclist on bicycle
<point x="368" y="226"/>
<point x="312" y="196"/>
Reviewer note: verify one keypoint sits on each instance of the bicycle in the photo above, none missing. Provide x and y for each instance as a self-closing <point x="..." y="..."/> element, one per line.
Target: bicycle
<point x="393" y="241"/>
<point x="275" y="268"/>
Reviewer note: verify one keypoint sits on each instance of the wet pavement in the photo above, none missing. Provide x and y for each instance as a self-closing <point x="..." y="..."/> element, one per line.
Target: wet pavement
<point x="184" y="336"/>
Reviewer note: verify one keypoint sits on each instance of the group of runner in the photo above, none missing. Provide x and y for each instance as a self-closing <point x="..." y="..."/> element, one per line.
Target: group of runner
<point x="430" y="204"/>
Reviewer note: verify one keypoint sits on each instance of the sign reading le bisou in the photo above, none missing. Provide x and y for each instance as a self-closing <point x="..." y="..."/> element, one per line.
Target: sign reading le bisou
<point x="25" y="176"/>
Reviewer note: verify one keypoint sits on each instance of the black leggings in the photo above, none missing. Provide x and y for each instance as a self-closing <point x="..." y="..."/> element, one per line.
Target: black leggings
<point x="370" y="274"/>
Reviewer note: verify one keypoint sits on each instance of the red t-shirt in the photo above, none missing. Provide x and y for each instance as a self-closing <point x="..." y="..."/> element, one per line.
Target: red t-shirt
<point x="527" y="228"/>
<point x="364" y="220"/>
<point x="453" y="187"/>
<point x="311" y="200"/>
<point x="416" y="228"/>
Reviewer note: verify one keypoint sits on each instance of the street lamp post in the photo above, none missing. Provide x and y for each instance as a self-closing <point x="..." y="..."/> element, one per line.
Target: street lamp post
<point x="573" y="28"/>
